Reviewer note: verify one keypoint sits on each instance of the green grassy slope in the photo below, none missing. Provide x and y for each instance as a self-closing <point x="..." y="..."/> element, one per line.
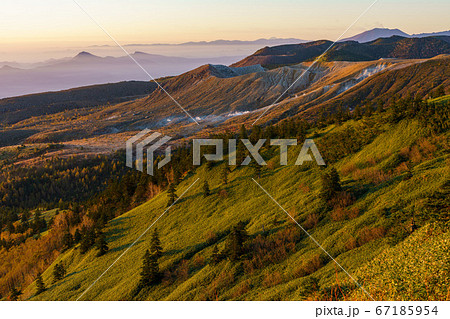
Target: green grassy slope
<point x="189" y="230"/>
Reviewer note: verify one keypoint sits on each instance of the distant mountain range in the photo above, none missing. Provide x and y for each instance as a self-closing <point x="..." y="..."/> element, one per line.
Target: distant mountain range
<point x="261" y="42"/>
<point x="382" y="48"/>
<point x="377" y="33"/>
<point x="88" y="69"/>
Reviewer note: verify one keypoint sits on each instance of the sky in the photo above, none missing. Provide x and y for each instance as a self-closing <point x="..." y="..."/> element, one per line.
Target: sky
<point x="31" y="26"/>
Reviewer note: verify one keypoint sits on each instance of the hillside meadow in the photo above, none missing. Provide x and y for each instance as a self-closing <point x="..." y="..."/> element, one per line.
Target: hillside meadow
<point x="377" y="226"/>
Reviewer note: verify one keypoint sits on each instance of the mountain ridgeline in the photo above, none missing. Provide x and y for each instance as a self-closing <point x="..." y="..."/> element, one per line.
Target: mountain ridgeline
<point x="382" y="48"/>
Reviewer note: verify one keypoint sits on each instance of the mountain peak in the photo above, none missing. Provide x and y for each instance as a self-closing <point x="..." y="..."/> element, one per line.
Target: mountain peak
<point x="140" y="53"/>
<point x="8" y="68"/>
<point x="376" y="33"/>
<point x="84" y="55"/>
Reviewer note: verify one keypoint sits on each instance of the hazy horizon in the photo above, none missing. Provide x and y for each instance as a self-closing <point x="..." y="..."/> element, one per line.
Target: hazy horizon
<point x="34" y="32"/>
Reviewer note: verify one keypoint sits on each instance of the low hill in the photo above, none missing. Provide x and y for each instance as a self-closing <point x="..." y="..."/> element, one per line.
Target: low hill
<point x="387" y="48"/>
<point x="16" y="109"/>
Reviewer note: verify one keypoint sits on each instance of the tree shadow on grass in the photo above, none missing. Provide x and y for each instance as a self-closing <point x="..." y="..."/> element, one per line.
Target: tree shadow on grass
<point x="125" y="246"/>
<point x="62" y="282"/>
<point x="116" y="232"/>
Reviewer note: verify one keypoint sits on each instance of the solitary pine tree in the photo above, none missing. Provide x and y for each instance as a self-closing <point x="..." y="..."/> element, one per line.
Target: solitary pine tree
<point x="236" y="242"/>
<point x="335" y="180"/>
<point x="40" y="286"/>
<point x="206" y="190"/>
<point x="56" y="276"/>
<point x="331" y="185"/>
<point x="102" y="245"/>
<point x="172" y="194"/>
<point x="59" y="272"/>
<point x="150" y="271"/>
<point x="155" y="246"/>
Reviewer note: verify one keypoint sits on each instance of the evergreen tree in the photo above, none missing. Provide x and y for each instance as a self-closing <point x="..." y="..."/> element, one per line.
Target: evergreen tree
<point x="370" y="110"/>
<point x="206" y="190"/>
<point x="150" y="271"/>
<point x="155" y="246"/>
<point x="440" y="91"/>
<point x="67" y="240"/>
<point x="357" y="113"/>
<point x="14" y="296"/>
<point x="76" y="218"/>
<point x="256" y="169"/>
<point x="215" y="256"/>
<point x="59" y="272"/>
<point x="380" y="106"/>
<point x="236" y="242"/>
<point x="102" y="245"/>
<point x="56" y="273"/>
<point x="77" y="236"/>
<point x="87" y="239"/>
<point x="330" y="185"/>
<point x="24" y="220"/>
<point x="172" y="194"/>
<point x="40" y="286"/>
<point x="11" y="227"/>
<point x="243" y="132"/>
<point x="224" y="174"/>
<point x="241" y="151"/>
<point x="335" y="180"/>
<point x="255" y="134"/>
<point x="39" y="224"/>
